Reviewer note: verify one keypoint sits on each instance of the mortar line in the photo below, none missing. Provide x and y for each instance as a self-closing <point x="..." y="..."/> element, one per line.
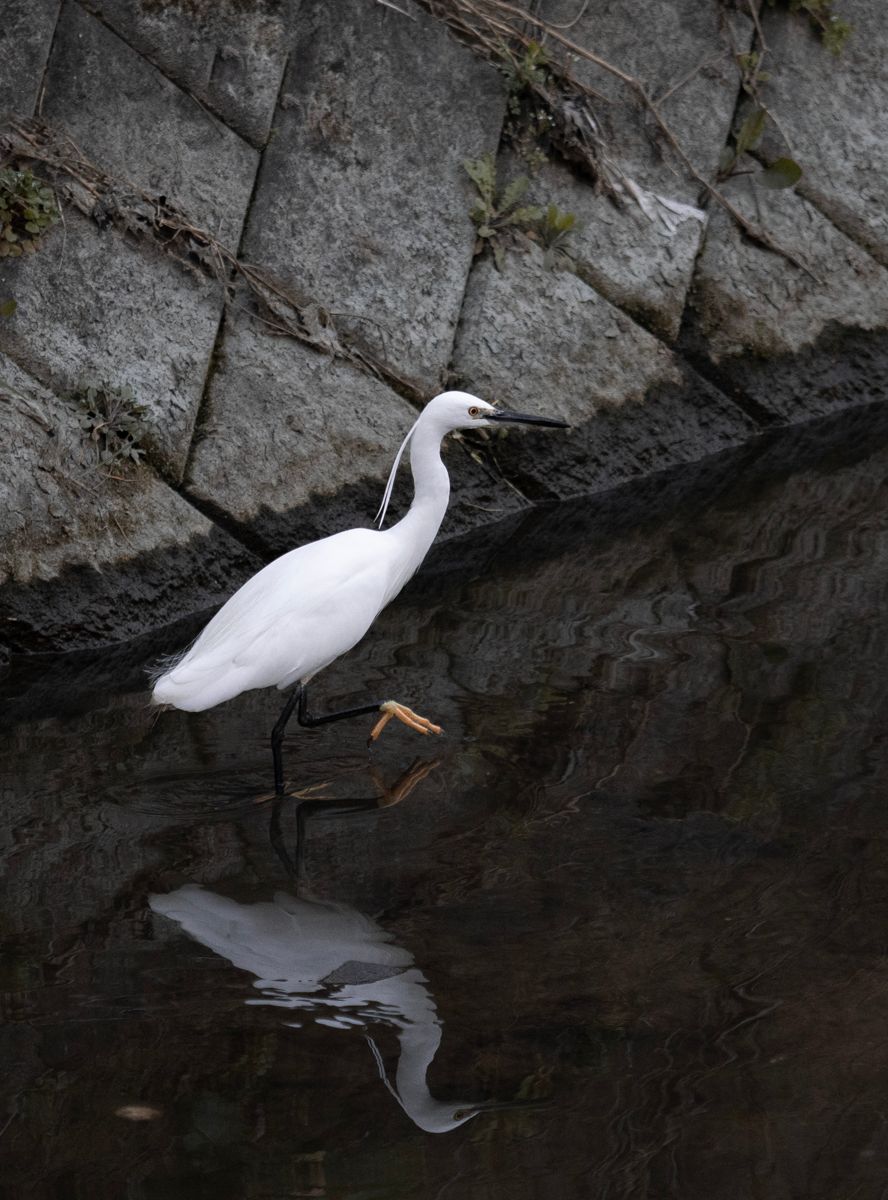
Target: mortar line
<point x="38" y="103"/>
<point x="401" y="387"/>
<point x="698" y="362"/>
<point x="632" y="315"/>
<point x="837" y="222"/>
<point x="219" y="340"/>
<point x="473" y="258"/>
<point x="205" y="105"/>
<point x="879" y="256"/>
<point x="237" y="530"/>
<point x="230" y="527"/>
<point x="29" y="371"/>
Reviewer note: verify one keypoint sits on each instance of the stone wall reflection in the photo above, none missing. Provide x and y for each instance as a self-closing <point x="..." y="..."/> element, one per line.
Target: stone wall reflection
<point x="646" y="883"/>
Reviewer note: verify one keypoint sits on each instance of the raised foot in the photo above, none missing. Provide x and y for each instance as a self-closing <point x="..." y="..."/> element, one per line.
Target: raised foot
<point x="391" y="708"/>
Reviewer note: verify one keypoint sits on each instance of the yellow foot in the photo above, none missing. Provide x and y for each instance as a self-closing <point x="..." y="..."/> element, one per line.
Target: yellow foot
<point x="391" y="708"/>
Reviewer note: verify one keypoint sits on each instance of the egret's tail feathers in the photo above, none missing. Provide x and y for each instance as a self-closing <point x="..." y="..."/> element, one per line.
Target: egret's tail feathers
<point x="194" y="695"/>
<point x="163" y="666"/>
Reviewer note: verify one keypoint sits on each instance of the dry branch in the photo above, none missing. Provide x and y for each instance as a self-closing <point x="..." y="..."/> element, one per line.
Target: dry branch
<point x="502" y="33"/>
<point x="111" y="201"/>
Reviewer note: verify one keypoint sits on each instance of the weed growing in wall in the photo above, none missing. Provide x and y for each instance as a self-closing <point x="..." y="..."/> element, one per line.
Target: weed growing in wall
<point x="500" y="215"/>
<point x="28" y="208"/>
<point x="113" y="423"/>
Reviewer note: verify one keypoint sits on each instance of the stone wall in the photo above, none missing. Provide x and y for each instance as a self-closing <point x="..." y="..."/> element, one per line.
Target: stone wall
<point x="325" y="142"/>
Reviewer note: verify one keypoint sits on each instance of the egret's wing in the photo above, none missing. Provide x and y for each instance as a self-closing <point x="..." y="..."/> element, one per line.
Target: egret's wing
<point x="301" y="640"/>
<point x="293" y="583"/>
<point x="309" y="605"/>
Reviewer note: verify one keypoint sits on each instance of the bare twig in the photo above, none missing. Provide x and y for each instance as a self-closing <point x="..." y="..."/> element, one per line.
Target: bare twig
<point x="754" y="13"/>
<point x="139" y="214"/>
<point x="686" y="78"/>
<point x="493" y="27"/>
<point x="402" y="11"/>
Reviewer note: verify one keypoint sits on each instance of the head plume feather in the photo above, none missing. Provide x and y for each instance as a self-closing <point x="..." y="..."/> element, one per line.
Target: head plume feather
<point x="383" y="508"/>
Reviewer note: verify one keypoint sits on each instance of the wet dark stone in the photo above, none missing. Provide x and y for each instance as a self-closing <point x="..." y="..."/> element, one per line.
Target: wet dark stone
<point x="843" y="369"/>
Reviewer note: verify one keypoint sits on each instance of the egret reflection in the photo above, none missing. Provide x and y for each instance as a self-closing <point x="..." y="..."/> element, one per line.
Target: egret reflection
<point x="335" y="967"/>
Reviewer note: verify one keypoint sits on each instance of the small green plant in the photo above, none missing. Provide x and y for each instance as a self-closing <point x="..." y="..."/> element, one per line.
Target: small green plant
<point x="751" y="74"/>
<point x="782" y="173"/>
<point x="27" y="209"/>
<point x="7" y="308"/>
<point x="113" y="423"/>
<point x="554" y="227"/>
<point x="834" y="30"/>
<point x="498" y="215"/>
<point x="524" y="74"/>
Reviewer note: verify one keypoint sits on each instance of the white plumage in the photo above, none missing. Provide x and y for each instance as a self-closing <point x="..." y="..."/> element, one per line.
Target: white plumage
<point x="289" y="621"/>
<point x="298" y="614"/>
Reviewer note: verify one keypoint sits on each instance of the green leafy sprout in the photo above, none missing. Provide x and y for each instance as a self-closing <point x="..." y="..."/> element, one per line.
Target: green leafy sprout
<point x="784" y="172"/>
<point x="554" y="227"/>
<point x="28" y="207"/>
<point x="113" y="423"/>
<point x="524" y="74"/>
<point x="499" y="215"/>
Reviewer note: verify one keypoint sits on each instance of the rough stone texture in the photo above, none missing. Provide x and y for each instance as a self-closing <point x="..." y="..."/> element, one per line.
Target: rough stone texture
<point x="64" y="517"/>
<point x="139" y="127"/>
<point x="544" y="341"/>
<point x="319" y="438"/>
<point x="682" y="44"/>
<point x="302" y="421"/>
<point x="362" y="206"/>
<point x="92" y="307"/>
<point x="637" y="263"/>
<point x="750" y="305"/>
<point x="229" y="54"/>
<point x="832" y="109"/>
<point x="26" y="32"/>
<point x="362" y="199"/>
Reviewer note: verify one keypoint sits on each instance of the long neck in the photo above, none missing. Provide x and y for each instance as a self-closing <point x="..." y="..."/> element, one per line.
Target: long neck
<point x="431" y="492"/>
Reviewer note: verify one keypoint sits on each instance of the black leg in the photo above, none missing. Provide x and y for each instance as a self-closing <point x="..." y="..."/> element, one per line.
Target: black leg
<point x="299" y="696"/>
<point x="304" y="717"/>
<point x="277" y="737"/>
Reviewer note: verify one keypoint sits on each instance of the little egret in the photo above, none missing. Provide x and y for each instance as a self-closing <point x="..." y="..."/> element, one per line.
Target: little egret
<point x="298" y="614"/>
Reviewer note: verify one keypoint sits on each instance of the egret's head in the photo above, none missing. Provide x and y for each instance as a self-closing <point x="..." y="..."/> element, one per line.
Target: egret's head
<point x="457" y="410"/>
<point x="461" y="410"/>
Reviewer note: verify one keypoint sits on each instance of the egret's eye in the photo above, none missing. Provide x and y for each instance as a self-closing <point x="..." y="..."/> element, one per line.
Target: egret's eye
<point x="474" y="411"/>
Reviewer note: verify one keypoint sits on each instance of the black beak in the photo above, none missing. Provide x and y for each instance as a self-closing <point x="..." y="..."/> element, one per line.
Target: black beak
<point x="503" y="414"/>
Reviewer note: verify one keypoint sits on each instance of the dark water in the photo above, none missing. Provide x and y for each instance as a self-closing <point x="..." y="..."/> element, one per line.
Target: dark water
<point x="640" y="887"/>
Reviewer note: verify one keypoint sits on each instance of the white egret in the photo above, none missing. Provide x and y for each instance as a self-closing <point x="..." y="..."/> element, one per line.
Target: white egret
<point x="330" y="964"/>
<point x="298" y="614"/>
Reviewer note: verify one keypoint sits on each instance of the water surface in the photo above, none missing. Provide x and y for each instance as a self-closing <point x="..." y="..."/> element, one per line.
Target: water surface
<point x="638" y="893"/>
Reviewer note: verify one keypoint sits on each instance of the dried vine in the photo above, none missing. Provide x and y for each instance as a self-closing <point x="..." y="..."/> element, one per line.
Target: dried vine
<point x="504" y="33"/>
<point x="111" y="201"/>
